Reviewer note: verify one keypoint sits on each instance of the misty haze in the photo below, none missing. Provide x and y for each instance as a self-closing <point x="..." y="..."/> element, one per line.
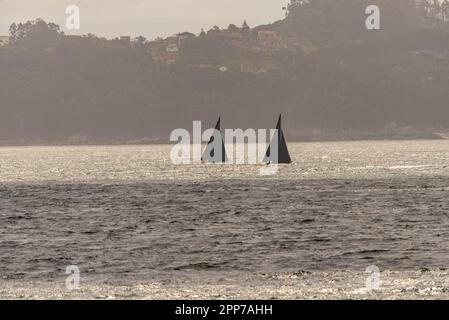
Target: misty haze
<point x="349" y="199"/>
<point x="334" y="78"/>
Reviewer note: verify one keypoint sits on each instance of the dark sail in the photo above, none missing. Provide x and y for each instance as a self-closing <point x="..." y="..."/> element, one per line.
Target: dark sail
<point x="283" y="154"/>
<point x="215" y="151"/>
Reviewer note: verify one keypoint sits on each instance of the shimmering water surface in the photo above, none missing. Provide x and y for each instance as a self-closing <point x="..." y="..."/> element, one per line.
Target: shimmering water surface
<point x="125" y="212"/>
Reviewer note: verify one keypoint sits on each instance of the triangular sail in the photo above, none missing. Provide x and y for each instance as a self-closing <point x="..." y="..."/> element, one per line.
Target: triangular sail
<point x="215" y="151"/>
<point x="283" y="156"/>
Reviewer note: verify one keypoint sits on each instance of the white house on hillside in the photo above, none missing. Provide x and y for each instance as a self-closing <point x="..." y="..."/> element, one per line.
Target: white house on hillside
<point x="4" y="40"/>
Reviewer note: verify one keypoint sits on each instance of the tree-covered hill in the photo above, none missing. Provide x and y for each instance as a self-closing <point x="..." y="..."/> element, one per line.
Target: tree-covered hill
<point x="320" y="66"/>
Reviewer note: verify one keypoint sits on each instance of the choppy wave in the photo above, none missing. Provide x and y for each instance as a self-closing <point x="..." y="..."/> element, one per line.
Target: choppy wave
<point x="157" y="229"/>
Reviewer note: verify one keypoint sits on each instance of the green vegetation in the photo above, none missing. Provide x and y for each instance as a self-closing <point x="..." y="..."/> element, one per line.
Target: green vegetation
<point x="320" y="66"/>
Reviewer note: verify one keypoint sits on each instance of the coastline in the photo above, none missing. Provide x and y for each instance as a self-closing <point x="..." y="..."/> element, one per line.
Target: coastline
<point x="420" y="284"/>
<point x="165" y="141"/>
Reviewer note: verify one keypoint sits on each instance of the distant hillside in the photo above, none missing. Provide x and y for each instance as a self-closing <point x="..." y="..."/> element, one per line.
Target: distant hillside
<point x="320" y="66"/>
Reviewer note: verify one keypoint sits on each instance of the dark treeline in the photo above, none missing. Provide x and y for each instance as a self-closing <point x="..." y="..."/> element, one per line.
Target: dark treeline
<point x="332" y="78"/>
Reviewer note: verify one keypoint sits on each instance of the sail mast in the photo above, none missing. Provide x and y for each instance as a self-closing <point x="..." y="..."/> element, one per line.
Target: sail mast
<point x="215" y="151"/>
<point x="283" y="156"/>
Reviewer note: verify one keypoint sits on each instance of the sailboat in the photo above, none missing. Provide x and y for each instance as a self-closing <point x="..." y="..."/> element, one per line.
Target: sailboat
<point x="215" y="151"/>
<point x="283" y="156"/>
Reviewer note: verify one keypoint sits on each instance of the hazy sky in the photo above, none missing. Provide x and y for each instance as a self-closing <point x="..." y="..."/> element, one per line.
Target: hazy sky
<point x="147" y="17"/>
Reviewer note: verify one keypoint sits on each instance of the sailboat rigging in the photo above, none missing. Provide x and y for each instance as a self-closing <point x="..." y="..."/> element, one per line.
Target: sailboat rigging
<point x="283" y="155"/>
<point x="215" y="151"/>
